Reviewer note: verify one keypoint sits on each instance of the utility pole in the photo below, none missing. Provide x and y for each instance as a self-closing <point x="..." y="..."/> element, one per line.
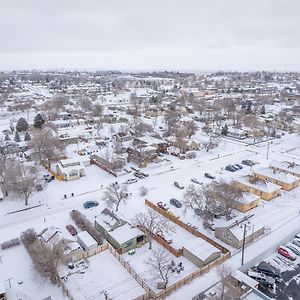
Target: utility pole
<point x="268" y="149"/>
<point x="244" y="239"/>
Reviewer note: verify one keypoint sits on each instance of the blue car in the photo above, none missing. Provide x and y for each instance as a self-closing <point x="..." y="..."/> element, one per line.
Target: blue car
<point x="89" y="204"/>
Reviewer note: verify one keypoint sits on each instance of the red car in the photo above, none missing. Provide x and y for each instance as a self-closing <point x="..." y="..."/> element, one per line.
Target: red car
<point x="287" y="254"/>
<point x="71" y="229"/>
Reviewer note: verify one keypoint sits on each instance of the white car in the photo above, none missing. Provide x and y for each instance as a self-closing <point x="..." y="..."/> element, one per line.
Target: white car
<point x="296" y="241"/>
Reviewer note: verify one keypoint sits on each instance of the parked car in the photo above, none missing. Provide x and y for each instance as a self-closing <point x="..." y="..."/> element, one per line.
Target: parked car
<point x="268" y="269"/>
<point x="131" y="180"/>
<point x="248" y="162"/>
<point x="39" y="187"/>
<point x="238" y="166"/>
<point x="138" y="175"/>
<point x="261" y="278"/>
<point x="181" y="156"/>
<point x="162" y="206"/>
<point x="286" y="253"/>
<point x="207" y="175"/>
<point x="71" y="229"/>
<point x="89" y="204"/>
<point x="194" y="180"/>
<point x="293" y="248"/>
<point x="230" y="168"/>
<point x="175" y="202"/>
<point x="178" y="185"/>
<point x="48" y="178"/>
<point x="296" y="242"/>
<point x="297" y="236"/>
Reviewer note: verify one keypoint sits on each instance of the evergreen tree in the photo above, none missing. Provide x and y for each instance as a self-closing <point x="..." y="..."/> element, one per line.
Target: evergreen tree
<point x="224" y="130"/>
<point x="27" y="136"/>
<point x="263" y="110"/>
<point x="38" y="121"/>
<point x="6" y="138"/>
<point x="17" y="137"/>
<point x="22" y="125"/>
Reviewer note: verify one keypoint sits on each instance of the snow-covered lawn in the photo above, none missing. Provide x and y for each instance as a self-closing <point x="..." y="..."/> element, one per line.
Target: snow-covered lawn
<point x="138" y="262"/>
<point x="105" y="273"/>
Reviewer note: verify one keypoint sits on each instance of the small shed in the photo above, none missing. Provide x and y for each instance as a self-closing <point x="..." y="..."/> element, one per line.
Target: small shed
<point x="86" y="241"/>
<point x="200" y="252"/>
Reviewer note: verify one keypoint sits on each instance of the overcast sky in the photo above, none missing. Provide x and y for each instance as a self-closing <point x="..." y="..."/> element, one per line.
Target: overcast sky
<point x="150" y="34"/>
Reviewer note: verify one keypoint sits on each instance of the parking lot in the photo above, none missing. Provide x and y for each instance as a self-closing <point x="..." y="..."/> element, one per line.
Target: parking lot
<point x="288" y="285"/>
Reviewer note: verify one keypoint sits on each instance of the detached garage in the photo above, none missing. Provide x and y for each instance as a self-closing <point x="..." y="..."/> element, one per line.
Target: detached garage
<point x="85" y="240"/>
<point x="200" y="252"/>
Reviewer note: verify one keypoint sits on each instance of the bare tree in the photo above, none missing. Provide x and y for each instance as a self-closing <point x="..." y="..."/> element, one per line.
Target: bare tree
<point x="46" y="146"/>
<point x="26" y="181"/>
<point x="45" y="259"/>
<point x="115" y="194"/>
<point x="86" y="225"/>
<point x="210" y="144"/>
<point x="226" y="292"/>
<point x="151" y="222"/>
<point x="159" y="264"/>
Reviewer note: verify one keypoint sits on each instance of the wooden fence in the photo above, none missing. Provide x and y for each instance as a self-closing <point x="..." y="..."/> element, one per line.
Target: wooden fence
<point x="167" y="246"/>
<point x="101" y="166"/>
<point x="170" y="289"/>
<point x="58" y="177"/>
<point x="135" y="275"/>
<point x="186" y="227"/>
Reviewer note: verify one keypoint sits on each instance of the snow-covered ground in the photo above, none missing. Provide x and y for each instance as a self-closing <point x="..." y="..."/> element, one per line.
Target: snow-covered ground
<point x="54" y="209"/>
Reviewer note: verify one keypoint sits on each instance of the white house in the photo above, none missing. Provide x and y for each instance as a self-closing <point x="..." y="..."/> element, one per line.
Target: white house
<point x="70" y="169"/>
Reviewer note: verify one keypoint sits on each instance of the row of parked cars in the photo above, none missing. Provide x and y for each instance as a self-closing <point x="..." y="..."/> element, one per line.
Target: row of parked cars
<point x="236" y="167"/>
<point x="267" y="274"/>
<point x="291" y="250"/>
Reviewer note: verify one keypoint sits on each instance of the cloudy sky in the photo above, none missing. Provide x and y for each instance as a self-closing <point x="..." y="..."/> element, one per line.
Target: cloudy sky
<point x="150" y="34"/>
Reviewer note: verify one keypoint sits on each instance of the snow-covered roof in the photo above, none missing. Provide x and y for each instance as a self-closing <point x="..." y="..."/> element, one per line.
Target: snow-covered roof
<point x="247" y="198"/>
<point x="201" y="248"/>
<point x="259" y="184"/>
<point x="125" y="233"/>
<point x="286" y="166"/>
<point x="245" y="278"/>
<point x="86" y="238"/>
<point x="278" y="175"/>
<point x="107" y="219"/>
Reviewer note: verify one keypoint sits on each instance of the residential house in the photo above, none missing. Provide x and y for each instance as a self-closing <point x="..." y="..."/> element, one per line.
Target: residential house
<point x="123" y="137"/>
<point x="262" y="188"/>
<point x="108" y="161"/>
<point x="200" y="252"/>
<point x="118" y="232"/>
<point x="70" y="169"/>
<point x="160" y="145"/>
<point x="285" y="180"/>
<point x="61" y="123"/>
<point x="232" y="233"/>
<point x="286" y="166"/>
<point x="141" y="155"/>
<point x="71" y="248"/>
<point x="245" y="203"/>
